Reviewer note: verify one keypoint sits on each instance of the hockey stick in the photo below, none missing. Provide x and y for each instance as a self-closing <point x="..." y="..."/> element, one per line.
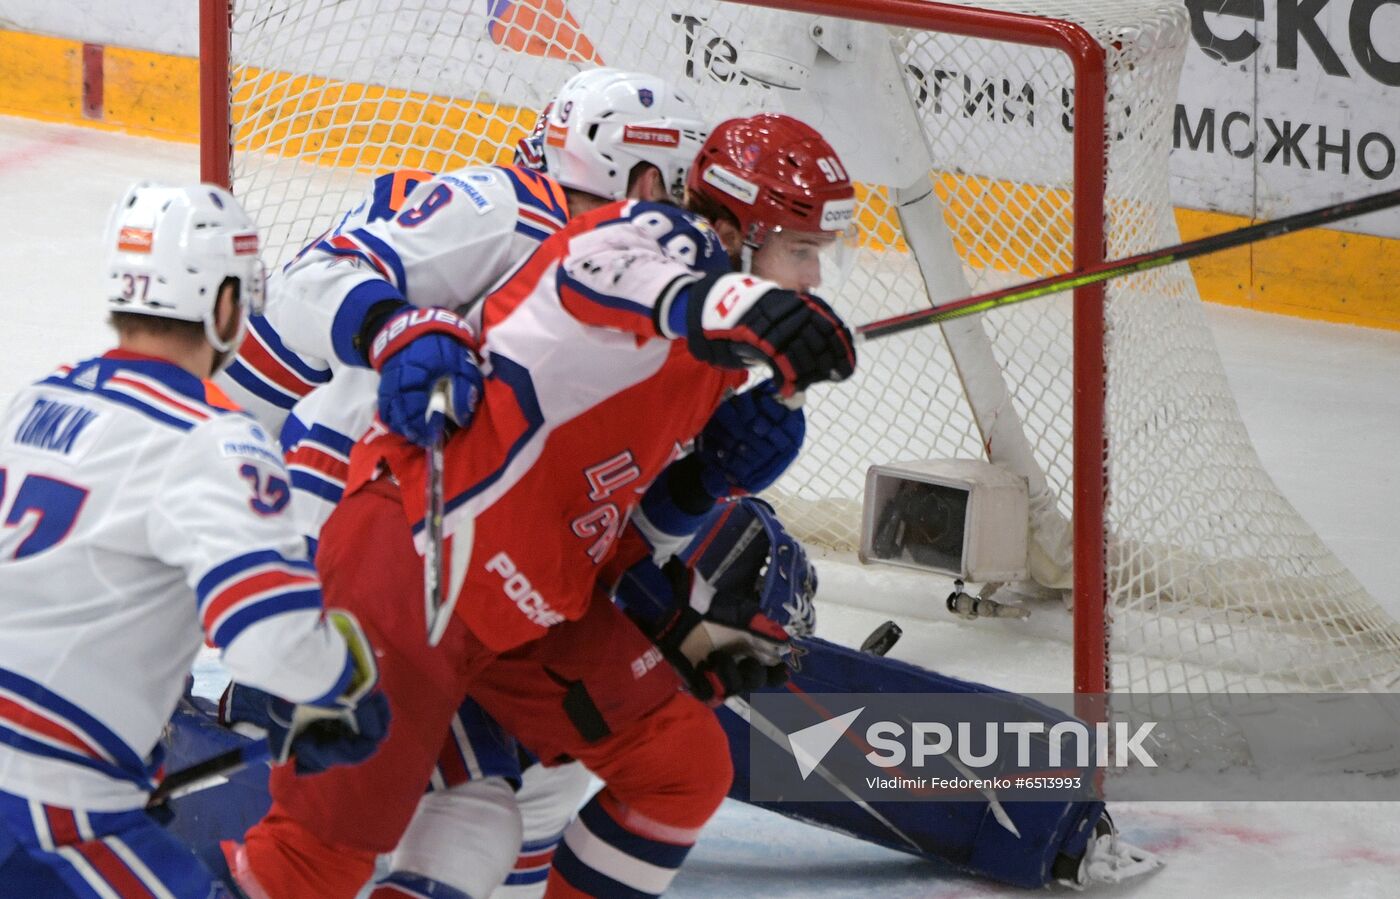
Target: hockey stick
<point x="880" y="641"/>
<point x="1116" y="268"/>
<point x="434" y="609"/>
<point x="770" y="730"/>
<point x="211" y="772"/>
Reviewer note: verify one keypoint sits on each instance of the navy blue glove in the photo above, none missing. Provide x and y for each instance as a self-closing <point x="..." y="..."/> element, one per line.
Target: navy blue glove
<point x="723" y="674"/>
<point x="413" y="351"/>
<point x="755" y="586"/>
<point x="749" y="442"/>
<point x="316" y="738"/>
<point x="345" y="732"/>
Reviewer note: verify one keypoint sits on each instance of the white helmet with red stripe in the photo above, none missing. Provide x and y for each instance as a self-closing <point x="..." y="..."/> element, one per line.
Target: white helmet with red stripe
<point x="606" y="121"/>
<point x="170" y="248"/>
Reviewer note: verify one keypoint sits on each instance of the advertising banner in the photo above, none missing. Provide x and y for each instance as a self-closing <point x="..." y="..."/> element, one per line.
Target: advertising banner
<point x="1287" y="105"/>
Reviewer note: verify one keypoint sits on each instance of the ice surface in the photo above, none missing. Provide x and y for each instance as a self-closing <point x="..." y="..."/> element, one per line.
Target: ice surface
<point x="1320" y="400"/>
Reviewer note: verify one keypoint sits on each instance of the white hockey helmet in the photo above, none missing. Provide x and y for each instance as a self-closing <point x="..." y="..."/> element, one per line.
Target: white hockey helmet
<point x="170" y="248"/>
<point x="605" y="121"/>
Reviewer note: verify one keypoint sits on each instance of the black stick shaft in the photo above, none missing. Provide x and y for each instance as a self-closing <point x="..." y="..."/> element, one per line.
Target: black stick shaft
<point x="208" y="773"/>
<point x="1116" y="268"/>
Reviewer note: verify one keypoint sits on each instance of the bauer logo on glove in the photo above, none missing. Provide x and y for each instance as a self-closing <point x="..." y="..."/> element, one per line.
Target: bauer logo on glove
<point x="420" y="321"/>
<point x="413" y="351"/>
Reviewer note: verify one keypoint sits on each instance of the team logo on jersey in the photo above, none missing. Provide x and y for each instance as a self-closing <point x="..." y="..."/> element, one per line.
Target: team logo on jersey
<point x="646" y="96"/>
<point x="651" y="137"/>
<point x="135" y="240"/>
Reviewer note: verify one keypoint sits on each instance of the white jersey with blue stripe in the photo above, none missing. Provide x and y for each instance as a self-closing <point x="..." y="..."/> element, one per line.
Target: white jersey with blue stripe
<point x="139" y="512"/>
<point x="433" y="240"/>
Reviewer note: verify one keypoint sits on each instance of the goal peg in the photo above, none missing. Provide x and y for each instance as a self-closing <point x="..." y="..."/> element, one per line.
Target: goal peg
<point x="968" y="607"/>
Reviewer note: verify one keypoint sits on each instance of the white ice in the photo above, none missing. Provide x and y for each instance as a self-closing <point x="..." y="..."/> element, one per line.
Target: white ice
<point x="1321" y="401"/>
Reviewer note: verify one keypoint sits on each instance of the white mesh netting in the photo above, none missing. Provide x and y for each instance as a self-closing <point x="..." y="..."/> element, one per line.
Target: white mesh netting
<point x="1214" y="581"/>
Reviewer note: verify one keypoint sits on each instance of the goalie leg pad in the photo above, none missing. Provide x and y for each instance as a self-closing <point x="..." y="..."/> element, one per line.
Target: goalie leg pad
<point x="966" y="835"/>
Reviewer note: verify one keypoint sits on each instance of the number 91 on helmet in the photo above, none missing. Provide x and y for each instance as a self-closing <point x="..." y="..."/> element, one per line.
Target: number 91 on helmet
<point x="171" y="249"/>
<point x="785" y="189"/>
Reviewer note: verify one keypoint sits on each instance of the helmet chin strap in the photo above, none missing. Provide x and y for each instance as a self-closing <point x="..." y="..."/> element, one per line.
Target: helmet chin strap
<point x="224" y="351"/>
<point x="753" y="242"/>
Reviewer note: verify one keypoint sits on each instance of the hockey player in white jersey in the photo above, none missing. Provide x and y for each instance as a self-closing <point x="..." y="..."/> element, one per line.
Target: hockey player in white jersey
<point x="142" y="512"/>
<point x="418" y="240"/>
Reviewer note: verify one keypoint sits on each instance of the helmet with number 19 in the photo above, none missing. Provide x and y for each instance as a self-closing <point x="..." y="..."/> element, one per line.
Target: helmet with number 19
<point x="784" y="188"/>
<point x="605" y="122"/>
<point x="170" y="250"/>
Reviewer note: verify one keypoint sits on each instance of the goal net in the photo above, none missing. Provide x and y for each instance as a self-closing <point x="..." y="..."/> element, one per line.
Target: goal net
<point x="992" y="145"/>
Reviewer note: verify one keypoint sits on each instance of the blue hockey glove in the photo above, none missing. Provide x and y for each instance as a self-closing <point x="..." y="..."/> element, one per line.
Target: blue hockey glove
<point x="749" y="442"/>
<point x="725" y="609"/>
<point x="735" y="320"/>
<point x="414" y="350"/>
<point x="345" y="732"/>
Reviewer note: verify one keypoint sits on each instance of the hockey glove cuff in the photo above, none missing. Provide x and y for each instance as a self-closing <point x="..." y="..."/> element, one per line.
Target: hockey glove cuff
<point x="735" y="320"/>
<point x="749" y="442"/>
<point x="345" y="732"/>
<point x="414" y="350"/>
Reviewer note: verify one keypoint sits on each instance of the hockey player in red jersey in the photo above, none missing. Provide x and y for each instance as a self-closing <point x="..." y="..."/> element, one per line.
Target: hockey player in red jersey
<point x="614" y="134"/>
<point x="460" y="837"/>
<point x="146" y="510"/>
<point x="606" y="353"/>
<point x="417" y="240"/>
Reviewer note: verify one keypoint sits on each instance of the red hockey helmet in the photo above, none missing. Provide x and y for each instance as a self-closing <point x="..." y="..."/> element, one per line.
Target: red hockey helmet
<point x="773" y="172"/>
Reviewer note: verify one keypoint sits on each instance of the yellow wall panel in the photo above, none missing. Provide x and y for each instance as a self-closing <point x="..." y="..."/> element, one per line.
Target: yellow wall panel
<point x="41" y="77"/>
<point x="1323" y="274"/>
<point x="152" y="94"/>
<point x="1330" y="275"/>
